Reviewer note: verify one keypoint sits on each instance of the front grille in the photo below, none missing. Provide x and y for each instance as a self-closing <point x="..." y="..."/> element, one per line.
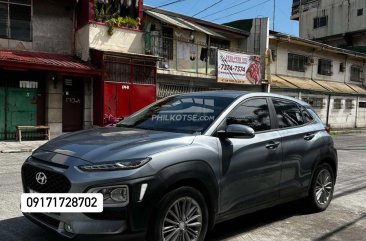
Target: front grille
<point x="56" y="182"/>
<point x="46" y="220"/>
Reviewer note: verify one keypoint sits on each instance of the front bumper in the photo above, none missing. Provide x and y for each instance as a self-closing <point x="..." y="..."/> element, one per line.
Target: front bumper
<point x="131" y="220"/>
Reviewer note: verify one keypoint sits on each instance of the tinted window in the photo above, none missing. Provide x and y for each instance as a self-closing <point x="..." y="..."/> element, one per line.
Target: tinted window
<point x="306" y="116"/>
<point x="253" y="113"/>
<point x="185" y="114"/>
<point x="288" y="114"/>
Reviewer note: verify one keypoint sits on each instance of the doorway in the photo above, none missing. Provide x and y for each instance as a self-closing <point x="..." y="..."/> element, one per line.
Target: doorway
<point x="73" y="103"/>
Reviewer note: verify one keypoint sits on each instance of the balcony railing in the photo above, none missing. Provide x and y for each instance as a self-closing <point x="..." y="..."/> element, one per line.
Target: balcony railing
<point x="181" y="55"/>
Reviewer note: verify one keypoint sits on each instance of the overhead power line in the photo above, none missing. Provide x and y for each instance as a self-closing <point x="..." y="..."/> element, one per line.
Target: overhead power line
<point x="205" y="9"/>
<point x="242" y="10"/>
<point x="214" y="13"/>
<point x="167" y="4"/>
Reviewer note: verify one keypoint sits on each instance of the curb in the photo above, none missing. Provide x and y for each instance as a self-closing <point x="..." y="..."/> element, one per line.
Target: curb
<point x="17" y="150"/>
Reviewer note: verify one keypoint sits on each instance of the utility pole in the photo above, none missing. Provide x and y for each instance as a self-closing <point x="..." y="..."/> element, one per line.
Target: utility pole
<point x="274" y="14"/>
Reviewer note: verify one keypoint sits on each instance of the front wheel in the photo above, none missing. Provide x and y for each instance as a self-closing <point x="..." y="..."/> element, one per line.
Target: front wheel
<point x="182" y="215"/>
<point x="322" y="188"/>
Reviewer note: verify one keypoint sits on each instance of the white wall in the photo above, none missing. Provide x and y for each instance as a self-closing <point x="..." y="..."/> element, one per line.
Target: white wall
<point x="338" y="12"/>
<point x="283" y="48"/>
<point x="338" y="118"/>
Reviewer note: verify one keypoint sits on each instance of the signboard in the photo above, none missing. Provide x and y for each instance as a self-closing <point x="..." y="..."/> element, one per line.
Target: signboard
<point x="237" y="68"/>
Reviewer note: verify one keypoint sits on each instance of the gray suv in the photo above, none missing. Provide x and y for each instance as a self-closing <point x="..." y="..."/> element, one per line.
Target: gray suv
<point x="185" y="163"/>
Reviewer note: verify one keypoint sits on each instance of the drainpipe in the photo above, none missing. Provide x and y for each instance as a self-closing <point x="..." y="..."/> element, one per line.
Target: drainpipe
<point x="357" y="104"/>
<point x="328" y="111"/>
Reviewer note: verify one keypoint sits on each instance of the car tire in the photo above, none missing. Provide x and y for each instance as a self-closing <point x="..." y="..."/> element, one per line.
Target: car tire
<point x="182" y="211"/>
<point x="322" y="188"/>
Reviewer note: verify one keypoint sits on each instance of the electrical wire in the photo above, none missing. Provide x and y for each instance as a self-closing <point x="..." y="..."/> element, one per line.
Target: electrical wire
<point x="242" y="10"/>
<point x="205" y="9"/>
<point x="167" y="4"/>
<point x="214" y="13"/>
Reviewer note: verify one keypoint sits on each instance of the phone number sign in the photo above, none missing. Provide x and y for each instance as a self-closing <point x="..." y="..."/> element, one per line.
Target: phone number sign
<point x="238" y="68"/>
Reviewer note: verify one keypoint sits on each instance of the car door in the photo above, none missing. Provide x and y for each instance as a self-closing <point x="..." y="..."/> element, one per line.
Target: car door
<point x="251" y="168"/>
<point x="301" y="146"/>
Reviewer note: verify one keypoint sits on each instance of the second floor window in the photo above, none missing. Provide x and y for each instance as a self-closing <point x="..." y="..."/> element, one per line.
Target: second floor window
<point x="15" y="19"/>
<point x="356" y="74"/>
<point x="296" y="62"/>
<point x="325" y="67"/>
<point x="320" y="22"/>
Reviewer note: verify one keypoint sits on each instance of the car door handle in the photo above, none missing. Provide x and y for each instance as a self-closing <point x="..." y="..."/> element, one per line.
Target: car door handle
<point x="309" y="137"/>
<point x="272" y="145"/>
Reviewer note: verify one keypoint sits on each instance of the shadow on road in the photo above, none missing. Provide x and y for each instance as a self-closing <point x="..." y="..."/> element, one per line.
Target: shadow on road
<point x="330" y="234"/>
<point x="258" y="219"/>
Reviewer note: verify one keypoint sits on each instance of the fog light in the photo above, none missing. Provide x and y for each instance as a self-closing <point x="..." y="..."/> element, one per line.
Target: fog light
<point x="68" y="228"/>
<point x="119" y="195"/>
<point x="113" y="195"/>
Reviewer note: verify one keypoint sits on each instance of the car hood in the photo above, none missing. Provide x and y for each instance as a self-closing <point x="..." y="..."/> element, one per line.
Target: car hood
<point x="114" y="144"/>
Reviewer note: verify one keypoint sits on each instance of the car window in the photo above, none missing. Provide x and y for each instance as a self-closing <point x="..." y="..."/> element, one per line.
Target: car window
<point x="183" y="114"/>
<point x="253" y="113"/>
<point x="306" y="116"/>
<point x="288" y="113"/>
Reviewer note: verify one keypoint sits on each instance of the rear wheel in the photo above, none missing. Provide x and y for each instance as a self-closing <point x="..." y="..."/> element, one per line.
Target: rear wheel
<point x="182" y="215"/>
<point x="322" y="188"/>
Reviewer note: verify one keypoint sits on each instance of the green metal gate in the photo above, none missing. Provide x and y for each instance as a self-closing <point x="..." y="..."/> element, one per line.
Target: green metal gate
<point x="19" y="108"/>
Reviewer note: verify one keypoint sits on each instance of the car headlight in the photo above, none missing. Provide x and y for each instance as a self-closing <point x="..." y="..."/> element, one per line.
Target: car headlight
<point x="113" y="195"/>
<point x="115" y="166"/>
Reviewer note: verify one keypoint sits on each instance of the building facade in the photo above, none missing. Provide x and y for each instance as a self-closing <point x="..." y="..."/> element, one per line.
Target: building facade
<point x="331" y="79"/>
<point x="334" y="22"/>
<point x="188" y="50"/>
<point x="41" y="82"/>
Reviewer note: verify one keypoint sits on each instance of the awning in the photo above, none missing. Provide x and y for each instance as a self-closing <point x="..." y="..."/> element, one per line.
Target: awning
<point x="281" y="83"/>
<point x="358" y="88"/>
<point x="181" y="23"/>
<point x="336" y="87"/>
<point x="304" y="84"/>
<point x="44" y="61"/>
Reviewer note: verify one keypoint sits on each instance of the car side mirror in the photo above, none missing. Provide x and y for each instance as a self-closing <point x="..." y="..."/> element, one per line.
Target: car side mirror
<point x="237" y="131"/>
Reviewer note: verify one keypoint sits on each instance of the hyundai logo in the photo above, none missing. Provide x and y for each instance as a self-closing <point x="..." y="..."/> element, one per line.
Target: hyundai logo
<point x="41" y="178"/>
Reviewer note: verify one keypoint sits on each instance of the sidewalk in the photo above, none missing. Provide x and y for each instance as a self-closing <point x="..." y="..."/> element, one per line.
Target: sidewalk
<point x="16" y="147"/>
<point x="347" y="131"/>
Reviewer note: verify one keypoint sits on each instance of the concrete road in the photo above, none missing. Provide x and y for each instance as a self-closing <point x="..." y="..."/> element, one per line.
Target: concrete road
<point x="345" y="219"/>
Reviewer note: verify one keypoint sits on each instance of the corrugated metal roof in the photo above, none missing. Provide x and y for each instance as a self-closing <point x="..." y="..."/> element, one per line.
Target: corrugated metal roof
<point x="358" y="88"/>
<point x="169" y="19"/>
<point x="181" y="23"/>
<point x="281" y="83"/>
<point x="336" y="87"/>
<point x="202" y="29"/>
<point x="302" y="83"/>
<point x="45" y="61"/>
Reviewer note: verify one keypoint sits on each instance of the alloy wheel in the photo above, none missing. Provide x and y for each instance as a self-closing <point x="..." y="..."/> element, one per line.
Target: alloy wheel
<point x="183" y="221"/>
<point x="323" y="187"/>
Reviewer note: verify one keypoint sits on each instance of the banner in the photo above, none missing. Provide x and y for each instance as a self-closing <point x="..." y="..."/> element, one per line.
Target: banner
<point x="238" y="68"/>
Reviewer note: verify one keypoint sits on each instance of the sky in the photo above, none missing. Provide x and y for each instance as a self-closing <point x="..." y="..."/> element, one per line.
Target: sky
<point x="245" y="9"/>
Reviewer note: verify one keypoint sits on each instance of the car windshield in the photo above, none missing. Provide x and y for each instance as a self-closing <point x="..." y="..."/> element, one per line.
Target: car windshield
<point x="184" y="114"/>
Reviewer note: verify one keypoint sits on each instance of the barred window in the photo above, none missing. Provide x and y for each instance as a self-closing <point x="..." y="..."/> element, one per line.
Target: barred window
<point x="356" y="73"/>
<point x="15" y="19"/>
<point x="296" y="62"/>
<point x="320" y="22"/>
<point x="144" y="75"/>
<point x="325" y="67"/>
<point x="117" y="72"/>
<point x="349" y="104"/>
<point x="362" y="105"/>
<point x="315" y="102"/>
<point x="337" y="104"/>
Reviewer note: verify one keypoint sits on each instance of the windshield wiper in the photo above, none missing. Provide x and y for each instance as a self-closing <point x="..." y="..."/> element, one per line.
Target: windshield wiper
<point x="125" y="125"/>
